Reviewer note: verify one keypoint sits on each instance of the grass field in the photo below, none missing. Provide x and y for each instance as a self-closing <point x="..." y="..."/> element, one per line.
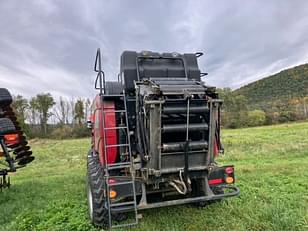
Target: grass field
<point x="272" y="172"/>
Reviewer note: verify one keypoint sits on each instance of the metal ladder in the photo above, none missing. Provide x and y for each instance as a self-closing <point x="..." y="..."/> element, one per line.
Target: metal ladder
<point x="118" y="166"/>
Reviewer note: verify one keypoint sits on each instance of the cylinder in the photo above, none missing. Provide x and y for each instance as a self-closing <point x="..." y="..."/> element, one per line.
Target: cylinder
<point x="183" y="127"/>
<point x="183" y="109"/>
<point x="178" y="146"/>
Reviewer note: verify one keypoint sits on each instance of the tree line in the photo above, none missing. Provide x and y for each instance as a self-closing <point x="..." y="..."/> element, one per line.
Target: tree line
<point x="43" y="116"/>
<point x="238" y="111"/>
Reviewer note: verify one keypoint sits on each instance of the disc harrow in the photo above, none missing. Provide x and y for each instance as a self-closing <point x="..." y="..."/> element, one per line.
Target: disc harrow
<point x="15" y="153"/>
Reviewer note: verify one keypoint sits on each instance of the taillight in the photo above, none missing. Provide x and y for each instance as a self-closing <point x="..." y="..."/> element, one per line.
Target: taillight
<point x="11" y="138"/>
<point x="229" y="170"/>
<point x="111" y="181"/>
<point x="112" y="194"/>
<point x="216" y="181"/>
<point x="229" y="180"/>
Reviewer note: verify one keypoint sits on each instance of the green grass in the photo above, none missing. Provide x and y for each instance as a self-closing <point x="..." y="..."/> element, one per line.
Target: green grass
<point x="272" y="173"/>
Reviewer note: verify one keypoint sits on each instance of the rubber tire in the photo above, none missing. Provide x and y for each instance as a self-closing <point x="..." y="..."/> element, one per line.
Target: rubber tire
<point x="6" y="126"/>
<point x="113" y="88"/>
<point x="95" y="192"/>
<point x="5" y="98"/>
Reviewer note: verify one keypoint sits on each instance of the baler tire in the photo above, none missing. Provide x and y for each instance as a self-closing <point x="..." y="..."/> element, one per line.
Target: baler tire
<point x="95" y="192"/>
<point x="95" y="187"/>
<point x="5" y="98"/>
<point x="6" y="126"/>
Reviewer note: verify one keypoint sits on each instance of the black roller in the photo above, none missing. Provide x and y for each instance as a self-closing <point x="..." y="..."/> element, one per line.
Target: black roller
<point x="193" y="145"/>
<point x="183" y="127"/>
<point x="192" y="109"/>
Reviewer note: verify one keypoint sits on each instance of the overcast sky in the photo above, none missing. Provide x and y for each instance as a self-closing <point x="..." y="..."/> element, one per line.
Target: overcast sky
<point x="49" y="46"/>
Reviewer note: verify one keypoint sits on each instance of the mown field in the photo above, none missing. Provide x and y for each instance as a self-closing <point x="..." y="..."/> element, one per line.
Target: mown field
<point x="272" y="172"/>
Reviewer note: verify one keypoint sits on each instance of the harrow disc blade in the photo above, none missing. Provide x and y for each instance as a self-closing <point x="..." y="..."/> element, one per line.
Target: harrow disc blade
<point x="22" y="154"/>
<point x="21" y="148"/>
<point x="26" y="160"/>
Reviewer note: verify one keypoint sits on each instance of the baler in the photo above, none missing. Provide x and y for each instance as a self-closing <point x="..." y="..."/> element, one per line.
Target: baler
<point x="155" y="137"/>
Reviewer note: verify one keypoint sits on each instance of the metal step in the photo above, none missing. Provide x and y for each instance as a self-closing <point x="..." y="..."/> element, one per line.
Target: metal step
<point x="122" y="204"/>
<point x="119" y="165"/>
<point x="108" y="96"/>
<point x="114" y="111"/>
<point x="115" y="128"/>
<point x="116" y="145"/>
<point x="124" y="225"/>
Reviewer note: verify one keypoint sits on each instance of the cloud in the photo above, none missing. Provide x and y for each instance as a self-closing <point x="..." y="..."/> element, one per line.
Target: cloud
<point x="49" y="46"/>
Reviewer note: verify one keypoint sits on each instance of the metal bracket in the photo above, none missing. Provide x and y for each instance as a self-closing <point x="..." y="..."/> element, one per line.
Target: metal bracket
<point x="4" y="180"/>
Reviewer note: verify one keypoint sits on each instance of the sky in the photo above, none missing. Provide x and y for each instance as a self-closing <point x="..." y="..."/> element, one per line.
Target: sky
<point x="50" y="45"/>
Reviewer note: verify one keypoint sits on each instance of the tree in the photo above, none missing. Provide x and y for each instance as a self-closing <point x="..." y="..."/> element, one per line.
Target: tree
<point x="79" y="111"/>
<point x="234" y="109"/>
<point x="43" y="103"/>
<point x="256" y="118"/>
<point x="87" y="108"/>
<point x="71" y="110"/>
<point x="20" y="106"/>
<point x="61" y="111"/>
<point x="33" y="112"/>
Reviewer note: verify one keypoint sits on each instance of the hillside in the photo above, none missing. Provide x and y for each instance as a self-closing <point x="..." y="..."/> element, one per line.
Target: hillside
<point x="285" y="85"/>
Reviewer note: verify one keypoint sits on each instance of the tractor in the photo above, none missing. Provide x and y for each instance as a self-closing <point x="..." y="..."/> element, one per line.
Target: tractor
<point x="155" y="138"/>
<point x="15" y="152"/>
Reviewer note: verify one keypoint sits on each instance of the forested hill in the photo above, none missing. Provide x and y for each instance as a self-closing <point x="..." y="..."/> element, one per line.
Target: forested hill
<point x="283" y="86"/>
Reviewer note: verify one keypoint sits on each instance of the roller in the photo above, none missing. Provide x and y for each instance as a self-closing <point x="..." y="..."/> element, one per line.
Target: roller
<point x="178" y="146"/>
<point x="183" y="127"/>
<point x="192" y="109"/>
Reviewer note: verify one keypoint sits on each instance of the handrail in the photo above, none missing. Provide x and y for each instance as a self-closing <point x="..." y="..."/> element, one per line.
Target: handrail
<point x="198" y="54"/>
<point x="100" y="74"/>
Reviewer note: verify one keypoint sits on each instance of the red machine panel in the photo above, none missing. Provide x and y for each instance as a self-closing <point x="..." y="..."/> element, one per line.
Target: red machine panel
<point x="106" y="108"/>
